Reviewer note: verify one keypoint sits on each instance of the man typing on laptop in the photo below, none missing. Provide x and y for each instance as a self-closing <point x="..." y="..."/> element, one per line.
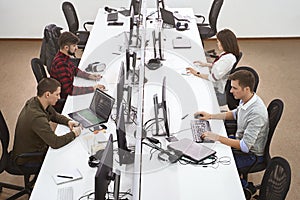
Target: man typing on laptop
<point x="33" y="132"/>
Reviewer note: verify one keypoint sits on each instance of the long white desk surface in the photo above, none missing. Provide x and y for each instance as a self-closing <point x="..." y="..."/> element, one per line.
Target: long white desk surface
<point x="159" y="180"/>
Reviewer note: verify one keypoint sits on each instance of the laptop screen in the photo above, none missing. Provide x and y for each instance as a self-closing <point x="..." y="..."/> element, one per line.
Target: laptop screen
<point x="167" y="17"/>
<point x="102" y="104"/>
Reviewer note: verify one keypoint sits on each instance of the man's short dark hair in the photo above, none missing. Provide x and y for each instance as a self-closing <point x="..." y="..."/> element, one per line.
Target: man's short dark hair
<point x="47" y="85"/>
<point x="67" y="38"/>
<point x="245" y="78"/>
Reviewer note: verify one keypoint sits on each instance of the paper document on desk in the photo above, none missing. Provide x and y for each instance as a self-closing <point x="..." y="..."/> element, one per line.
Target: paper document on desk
<point x="67" y="175"/>
<point x="181" y="42"/>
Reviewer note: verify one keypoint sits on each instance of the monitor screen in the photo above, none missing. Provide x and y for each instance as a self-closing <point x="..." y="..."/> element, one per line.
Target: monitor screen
<point x="136" y="6"/>
<point x="125" y="156"/>
<point x="164" y="107"/>
<point x="104" y="173"/>
<point x="154" y="43"/>
<point x="120" y="87"/>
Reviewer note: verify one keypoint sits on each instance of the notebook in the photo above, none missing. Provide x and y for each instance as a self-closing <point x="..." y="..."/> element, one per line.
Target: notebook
<point x="98" y="112"/>
<point x="181" y="42"/>
<point x="191" y="150"/>
<point x="67" y="175"/>
<point x="167" y="17"/>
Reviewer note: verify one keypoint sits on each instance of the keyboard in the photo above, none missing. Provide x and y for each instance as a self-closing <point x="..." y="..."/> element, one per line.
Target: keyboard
<point x="198" y="127"/>
<point x="65" y="193"/>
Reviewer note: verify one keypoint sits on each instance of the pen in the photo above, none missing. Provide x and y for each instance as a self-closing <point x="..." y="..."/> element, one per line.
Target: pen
<point x="62" y="176"/>
<point x="184" y="116"/>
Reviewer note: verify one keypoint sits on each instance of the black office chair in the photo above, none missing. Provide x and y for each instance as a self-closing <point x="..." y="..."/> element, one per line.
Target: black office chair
<point x="73" y="24"/>
<point x="276" y="180"/>
<point x="38" y="69"/>
<point x="50" y="45"/>
<point x="208" y="30"/>
<point x="10" y="166"/>
<point x="275" y="110"/>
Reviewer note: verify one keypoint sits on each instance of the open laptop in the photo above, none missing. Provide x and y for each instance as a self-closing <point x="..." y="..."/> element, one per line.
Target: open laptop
<point x="167" y="17"/>
<point x="191" y="150"/>
<point x="98" y="112"/>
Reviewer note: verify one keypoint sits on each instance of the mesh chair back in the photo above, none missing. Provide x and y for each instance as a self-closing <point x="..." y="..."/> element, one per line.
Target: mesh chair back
<point x="214" y="13"/>
<point x="71" y="16"/>
<point x="276" y="180"/>
<point x="275" y="110"/>
<point x="38" y="69"/>
<point x="4" y="137"/>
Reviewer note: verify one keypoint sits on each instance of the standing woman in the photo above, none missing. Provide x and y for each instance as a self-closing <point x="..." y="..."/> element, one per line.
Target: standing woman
<point x="220" y="68"/>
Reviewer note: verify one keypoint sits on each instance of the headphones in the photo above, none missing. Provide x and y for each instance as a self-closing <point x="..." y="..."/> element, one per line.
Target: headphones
<point x="180" y="26"/>
<point x="96" y="67"/>
<point x="93" y="161"/>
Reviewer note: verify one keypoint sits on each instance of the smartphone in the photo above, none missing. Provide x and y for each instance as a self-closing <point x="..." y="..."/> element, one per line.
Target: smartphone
<point x="98" y="127"/>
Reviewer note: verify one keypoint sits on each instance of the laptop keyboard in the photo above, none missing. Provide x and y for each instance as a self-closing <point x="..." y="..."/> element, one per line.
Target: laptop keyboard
<point x="65" y="193"/>
<point x="198" y="127"/>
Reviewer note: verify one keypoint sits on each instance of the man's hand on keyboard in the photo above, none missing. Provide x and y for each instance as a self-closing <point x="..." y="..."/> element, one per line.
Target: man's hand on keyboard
<point x="202" y="115"/>
<point x="210" y="136"/>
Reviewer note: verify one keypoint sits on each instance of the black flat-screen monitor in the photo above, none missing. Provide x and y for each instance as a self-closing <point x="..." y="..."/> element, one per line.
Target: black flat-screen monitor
<point x="120" y="87"/>
<point x="104" y="173"/>
<point x="159" y="41"/>
<point x="120" y="94"/>
<point x="128" y="62"/>
<point x="136" y="5"/>
<point x="125" y="155"/>
<point x="163" y="106"/>
<point x="159" y="4"/>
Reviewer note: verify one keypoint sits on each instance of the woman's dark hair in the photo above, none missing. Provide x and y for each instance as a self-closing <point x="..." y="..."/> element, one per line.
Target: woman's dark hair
<point x="47" y="85"/>
<point x="229" y="42"/>
<point x="67" y="38"/>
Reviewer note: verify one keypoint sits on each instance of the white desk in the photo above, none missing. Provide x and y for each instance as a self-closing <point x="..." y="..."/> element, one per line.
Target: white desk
<point x="185" y="95"/>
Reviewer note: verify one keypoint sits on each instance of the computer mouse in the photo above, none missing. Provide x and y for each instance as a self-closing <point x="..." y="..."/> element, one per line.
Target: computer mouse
<point x="198" y="116"/>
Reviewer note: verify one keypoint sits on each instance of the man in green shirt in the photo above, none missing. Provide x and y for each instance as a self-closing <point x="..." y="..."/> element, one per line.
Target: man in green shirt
<point x="33" y="132"/>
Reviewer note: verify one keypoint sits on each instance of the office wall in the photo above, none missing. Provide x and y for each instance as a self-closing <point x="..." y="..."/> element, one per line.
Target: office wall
<point x="255" y="18"/>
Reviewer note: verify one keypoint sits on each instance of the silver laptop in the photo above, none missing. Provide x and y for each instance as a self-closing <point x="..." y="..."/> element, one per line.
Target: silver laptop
<point x="98" y="112"/>
<point x="191" y="150"/>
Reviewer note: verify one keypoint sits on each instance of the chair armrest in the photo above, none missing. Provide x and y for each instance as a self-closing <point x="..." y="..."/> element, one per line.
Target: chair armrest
<point x="83" y="35"/>
<point x="200" y="16"/>
<point x="87" y="23"/>
<point x="33" y="155"/>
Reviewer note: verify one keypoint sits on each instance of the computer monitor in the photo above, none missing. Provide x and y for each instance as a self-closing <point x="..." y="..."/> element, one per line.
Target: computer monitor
<point x="136" y="5"/>
<point x="134" y="22"/>
<point x="128" y="57"/>
<point x="120" y="93"/>
<point x="120" y="87"/>
<point x="159" y="41"/>
<point x="104" y="174"/>
<point x="163" y="106"/>
<point x="125" y="155"/>
<point x="159" y="4"/>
